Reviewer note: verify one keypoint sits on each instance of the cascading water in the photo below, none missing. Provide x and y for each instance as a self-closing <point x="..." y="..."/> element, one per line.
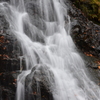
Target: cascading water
<point x="57" y="52"/>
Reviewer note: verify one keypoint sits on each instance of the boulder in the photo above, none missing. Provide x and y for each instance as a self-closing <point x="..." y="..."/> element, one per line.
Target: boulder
<point x="38" y="83"/>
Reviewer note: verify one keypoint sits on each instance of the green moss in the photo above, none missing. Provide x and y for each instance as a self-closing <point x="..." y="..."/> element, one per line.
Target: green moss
<point x="91" y="8"/>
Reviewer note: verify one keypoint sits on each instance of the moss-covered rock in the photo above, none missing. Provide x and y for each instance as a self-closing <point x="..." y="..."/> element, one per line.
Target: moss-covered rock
<point x="91" y="8"/>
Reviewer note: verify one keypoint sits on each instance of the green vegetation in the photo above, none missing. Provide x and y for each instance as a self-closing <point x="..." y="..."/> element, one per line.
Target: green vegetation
<point x="91" y="8"/>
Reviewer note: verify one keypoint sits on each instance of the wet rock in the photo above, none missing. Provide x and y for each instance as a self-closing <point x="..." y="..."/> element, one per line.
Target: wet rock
<point x="35" y="13"/>
<point x="38" y="83"/>
<point x="6" y="94"/>
<point x="7" y="80"/>
<point x="9" y="61"/>
<point x="8" y="85"/>
<point x="9" y="48"/>
<point x="84" y="32"/>
<point x="86" y="36"/>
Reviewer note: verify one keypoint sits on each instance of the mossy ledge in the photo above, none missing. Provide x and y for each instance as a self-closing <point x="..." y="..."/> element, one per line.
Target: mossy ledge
<point x="91" y="8"/>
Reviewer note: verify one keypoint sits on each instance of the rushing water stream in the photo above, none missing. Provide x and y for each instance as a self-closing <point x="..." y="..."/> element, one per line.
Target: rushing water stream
<point x="57" y="51"/>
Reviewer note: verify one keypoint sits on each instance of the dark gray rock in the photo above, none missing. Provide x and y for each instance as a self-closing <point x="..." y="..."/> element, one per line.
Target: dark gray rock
<point x="6" y="94"/>
<point x="4" y="0"/>
<point x="38" y="83"/>
<point x="9" y="48"/>
<point x="35" y="13"/>
<point x="9" y="61"/>
<point x="84" y="32"/>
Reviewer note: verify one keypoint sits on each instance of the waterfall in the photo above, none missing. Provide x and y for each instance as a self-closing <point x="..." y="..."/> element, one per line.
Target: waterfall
<point x="57" y="52"/>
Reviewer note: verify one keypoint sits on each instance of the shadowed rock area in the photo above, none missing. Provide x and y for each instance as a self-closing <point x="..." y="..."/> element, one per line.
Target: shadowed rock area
<point x="9" y="61"/>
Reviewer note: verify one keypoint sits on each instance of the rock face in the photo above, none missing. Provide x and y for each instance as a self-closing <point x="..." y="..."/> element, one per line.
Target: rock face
<point x="85" y="33"/>
<point x="9" y="61"/>
<point x="86" y="36"/>
<point x="34" y="10"/>
<point x="38" y="83"/>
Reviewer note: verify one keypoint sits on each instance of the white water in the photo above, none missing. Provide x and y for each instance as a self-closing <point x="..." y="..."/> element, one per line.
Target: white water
<point x="58" y="52"/>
